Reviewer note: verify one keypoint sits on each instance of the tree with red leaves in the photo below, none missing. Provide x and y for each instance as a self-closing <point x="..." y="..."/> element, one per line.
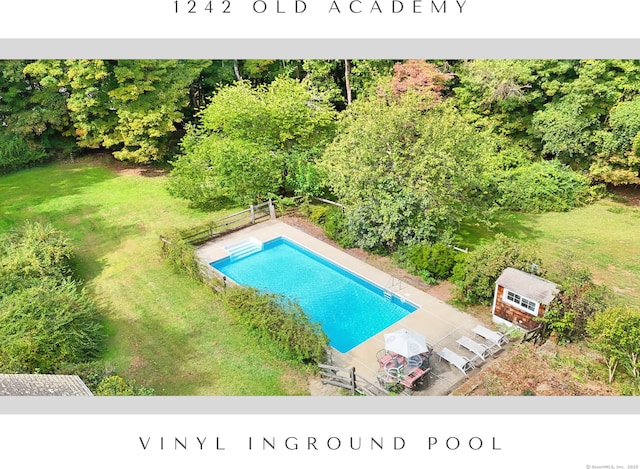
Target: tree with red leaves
<point x="420" y="76"/>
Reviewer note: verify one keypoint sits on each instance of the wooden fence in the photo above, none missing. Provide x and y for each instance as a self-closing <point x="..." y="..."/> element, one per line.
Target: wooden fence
<point x="346" y="378"/>
<point x="326" y="201"/>
<point x="537" y="335"/>
<point x="235" y="221"/>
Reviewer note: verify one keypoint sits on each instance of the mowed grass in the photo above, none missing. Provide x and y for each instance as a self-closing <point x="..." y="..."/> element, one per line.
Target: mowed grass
<point x="604" y="237"/>
<point x="165" y="331"/>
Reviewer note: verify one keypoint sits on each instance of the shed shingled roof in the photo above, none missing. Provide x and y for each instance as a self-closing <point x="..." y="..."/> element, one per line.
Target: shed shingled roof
<point x="528" y="285"/>
<point x="42" y="385"/>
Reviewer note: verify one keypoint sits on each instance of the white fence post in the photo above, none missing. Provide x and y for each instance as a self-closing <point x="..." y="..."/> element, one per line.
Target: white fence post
<point x="272" y="210"/>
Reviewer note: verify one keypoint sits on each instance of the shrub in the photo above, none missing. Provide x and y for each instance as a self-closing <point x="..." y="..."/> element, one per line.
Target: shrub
<point x="431" y="262"/>
<point x="333" y="222"/>
<point x="47" y="324"/>
<point x="276" y="320"/>
<point x="181" y="255"/>
<point x="91" y="373"/>
<point x="102" y="379"/>
<point x="31" y="253"/>
<point x="385" y="225"/>
<point x="117" y="386"/>
<point x="577" y="302"/>
<point x="336" y="228"/>
<point x="316" y="213"/>
<point x="545" y="186"/>
<point x="16" y="152"/>
<point x="476" y="276"/>
<point x="284" y="205"/>
<point x="46" y="320"/>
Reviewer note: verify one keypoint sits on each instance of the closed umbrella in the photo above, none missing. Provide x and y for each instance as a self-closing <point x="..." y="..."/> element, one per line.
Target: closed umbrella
<point x="405" y="342"/>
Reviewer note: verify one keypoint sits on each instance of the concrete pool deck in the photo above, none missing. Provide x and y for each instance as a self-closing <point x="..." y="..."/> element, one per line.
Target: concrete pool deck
<point x="439" y="322"/>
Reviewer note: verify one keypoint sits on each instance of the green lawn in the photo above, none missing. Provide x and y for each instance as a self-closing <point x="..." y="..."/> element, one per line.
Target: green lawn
<point x="170" y="333"/>
<point x="165" y="330"/>
<point x="605" y="237"/>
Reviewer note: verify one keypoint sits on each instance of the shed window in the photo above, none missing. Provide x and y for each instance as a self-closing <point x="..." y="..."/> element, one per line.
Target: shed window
<point x="521" y="302"/>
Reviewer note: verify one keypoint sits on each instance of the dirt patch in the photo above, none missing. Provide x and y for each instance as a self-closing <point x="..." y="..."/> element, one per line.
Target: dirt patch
<point x="529" y="370"/>
<point x="630" y="194"/>
<point x="316" y="388"/>
<point x="144" y="171"/>
<point x="443" y="291"/>
<point x="105" y="159"/>
<point x="137" y="363"/>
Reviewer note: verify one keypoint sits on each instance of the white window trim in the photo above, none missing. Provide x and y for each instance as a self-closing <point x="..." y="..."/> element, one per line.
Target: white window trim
<point x="536" y="305"/>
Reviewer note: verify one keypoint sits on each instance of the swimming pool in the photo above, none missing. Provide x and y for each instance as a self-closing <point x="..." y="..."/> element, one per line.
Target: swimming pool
<point x="349" y="308"/>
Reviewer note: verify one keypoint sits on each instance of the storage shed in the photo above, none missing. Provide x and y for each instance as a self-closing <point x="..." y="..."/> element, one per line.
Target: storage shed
<point x="520" y="297"/>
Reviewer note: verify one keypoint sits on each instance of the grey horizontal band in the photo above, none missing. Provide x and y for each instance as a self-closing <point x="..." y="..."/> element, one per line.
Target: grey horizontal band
<point x="321" y="405"/>
<point x="319" y="48"/>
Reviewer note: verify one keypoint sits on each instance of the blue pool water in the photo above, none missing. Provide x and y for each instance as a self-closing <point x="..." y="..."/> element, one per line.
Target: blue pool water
<point x="349" y="308"/>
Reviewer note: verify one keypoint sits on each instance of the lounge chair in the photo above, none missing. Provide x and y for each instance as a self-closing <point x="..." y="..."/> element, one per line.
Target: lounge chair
<point x="460" y="362"/>
<point x="494" y="338"/>
<point x="481" y="351"/>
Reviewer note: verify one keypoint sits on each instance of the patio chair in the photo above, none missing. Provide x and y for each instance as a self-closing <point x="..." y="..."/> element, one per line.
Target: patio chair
<point x="385" y="357"/>
<point x="382" y="357"/>
<point x="386" y="381"/>
<point x="495" y="339"/>
<point x="426" y="358"/>
<point x="417" y="376"/>
<point x="480" y="351"/>
<point x="416" y="360"/>
<point x="460" y="362"/>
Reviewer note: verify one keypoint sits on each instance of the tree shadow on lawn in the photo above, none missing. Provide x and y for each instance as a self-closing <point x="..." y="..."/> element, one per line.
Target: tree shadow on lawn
<point x="515" y="225"/>
<point x="22" y="192"/>
<point x="176" y="357"/>
<point x="93" y="237"/>
<point x="148" y="351"/>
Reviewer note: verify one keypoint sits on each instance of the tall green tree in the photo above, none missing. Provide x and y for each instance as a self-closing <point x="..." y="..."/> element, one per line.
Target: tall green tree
<point x="618" y="158"/>
<point x="616" y="333"/>
<point x="343" y="81"/>
<point x="396" y="163"/>
<point x="131" y="106"/>
<point x="574" y="125"/>
<point x="254" y="142"/>
<point x="506" y="93"/>
<point x="34" y="121"/>
<point x="28" y="107"/>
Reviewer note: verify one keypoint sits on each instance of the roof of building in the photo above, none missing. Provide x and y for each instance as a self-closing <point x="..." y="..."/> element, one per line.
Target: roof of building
<point x="42" y="385"/>
<point x="528" y="285"/>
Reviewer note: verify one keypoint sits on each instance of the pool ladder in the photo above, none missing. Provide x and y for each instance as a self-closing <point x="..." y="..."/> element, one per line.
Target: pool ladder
<point x="393" y="284"/>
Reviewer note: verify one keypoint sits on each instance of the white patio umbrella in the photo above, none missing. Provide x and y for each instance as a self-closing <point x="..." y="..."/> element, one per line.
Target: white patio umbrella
<point x="405" y="342"/>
